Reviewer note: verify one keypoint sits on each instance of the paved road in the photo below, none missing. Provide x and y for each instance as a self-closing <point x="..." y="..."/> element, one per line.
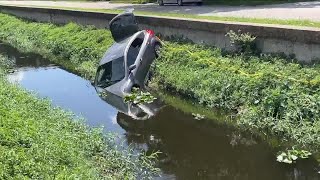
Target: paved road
<point x="301" y="10"/>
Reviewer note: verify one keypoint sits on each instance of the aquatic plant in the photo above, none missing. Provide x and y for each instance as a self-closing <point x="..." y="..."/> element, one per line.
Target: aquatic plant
<point x="139" y="97"/>
<point x="198" y="116"/>
<point x="290" y="156"/>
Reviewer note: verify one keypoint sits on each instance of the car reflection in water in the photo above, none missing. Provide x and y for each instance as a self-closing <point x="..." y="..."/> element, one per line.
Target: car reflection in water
<point x="136" y="119"/>
<point x="135" y="111"/>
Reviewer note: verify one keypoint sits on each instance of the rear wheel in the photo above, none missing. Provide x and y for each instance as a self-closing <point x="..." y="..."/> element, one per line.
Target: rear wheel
<point x="148" y="78"/>
<point x="180" y="3"/>
<point x="157" y="49"/>
<point x="160" y="2"/>
<point x="152" y="68"/>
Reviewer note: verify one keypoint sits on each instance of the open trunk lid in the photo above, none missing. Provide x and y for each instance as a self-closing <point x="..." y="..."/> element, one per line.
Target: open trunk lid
<point x="123" y="26"/>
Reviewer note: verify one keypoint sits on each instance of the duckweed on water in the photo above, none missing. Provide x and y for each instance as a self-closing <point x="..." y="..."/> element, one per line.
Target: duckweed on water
<point x="38" y="141"/>
<point x="266" y="93"/>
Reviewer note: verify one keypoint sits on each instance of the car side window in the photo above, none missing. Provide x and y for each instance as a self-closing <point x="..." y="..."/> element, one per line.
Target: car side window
<point x="132" y="55"/>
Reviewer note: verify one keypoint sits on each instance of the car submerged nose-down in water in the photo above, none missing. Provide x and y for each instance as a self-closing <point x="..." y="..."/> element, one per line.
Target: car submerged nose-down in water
<point x="127" y="62"/>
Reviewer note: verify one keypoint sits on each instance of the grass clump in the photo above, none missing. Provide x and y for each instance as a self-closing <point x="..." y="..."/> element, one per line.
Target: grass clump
<point x="267" y="93"/>
<point x="38" y="141"/>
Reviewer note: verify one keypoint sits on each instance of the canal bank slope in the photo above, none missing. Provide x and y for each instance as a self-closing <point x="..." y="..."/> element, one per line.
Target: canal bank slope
<point x="265" y="93"/>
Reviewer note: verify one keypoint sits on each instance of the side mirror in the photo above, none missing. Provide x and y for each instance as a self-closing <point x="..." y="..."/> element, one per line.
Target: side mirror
<point x="132" y="67"/>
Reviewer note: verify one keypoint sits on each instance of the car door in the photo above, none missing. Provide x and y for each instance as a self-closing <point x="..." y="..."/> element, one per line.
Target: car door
<point x="123" y="26"/>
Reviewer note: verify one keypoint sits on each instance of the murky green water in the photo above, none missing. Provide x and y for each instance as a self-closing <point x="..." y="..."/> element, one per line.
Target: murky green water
<point x="191" y="149"/>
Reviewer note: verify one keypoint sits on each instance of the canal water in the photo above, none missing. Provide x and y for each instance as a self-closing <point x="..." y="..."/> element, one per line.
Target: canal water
<point x="191" y="148"/>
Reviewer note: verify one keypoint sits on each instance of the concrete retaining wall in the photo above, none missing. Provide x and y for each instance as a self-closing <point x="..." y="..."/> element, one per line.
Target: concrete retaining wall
<point x="304" y="43"/>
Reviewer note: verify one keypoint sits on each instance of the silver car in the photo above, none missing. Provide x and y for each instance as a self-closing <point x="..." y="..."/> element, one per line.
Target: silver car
<point x="179" y="2"/>
<point x="127" y="62"/>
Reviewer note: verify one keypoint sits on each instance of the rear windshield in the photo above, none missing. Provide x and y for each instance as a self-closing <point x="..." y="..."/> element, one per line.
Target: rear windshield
<point x="111" y="73"/>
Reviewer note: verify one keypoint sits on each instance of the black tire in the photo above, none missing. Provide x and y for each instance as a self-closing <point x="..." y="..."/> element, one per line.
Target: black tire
<point x="200" y="3"/>
<point x="148" y="78"/>
<point x="152" y="68"/>
<point x="180" y="3"/>
<point x="160" y="2"/>
<point x="157" y="49"/>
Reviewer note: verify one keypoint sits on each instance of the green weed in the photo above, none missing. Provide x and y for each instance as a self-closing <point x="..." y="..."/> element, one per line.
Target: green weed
<point x="244" y="43"/>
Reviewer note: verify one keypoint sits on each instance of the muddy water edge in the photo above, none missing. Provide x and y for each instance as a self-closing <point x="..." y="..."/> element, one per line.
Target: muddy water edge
<point x="190" y="148"/>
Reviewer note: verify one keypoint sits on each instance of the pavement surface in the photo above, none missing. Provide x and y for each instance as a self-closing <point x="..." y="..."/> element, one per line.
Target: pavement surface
<point x="300" y="10"/>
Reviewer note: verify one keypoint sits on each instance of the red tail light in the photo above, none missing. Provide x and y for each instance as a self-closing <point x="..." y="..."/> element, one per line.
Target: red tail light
<point x="151" y="32"/>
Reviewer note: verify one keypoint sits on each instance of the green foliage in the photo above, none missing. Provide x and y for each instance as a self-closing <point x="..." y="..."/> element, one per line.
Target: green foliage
<point x="6" y="64"/>
<point x="38" y="141"/>
<point x="243" y="42"/>
<point x="267" y="93"/>
<point x="291" y="155"/>
<point x="75" y="47"/>
<point x="139" y="97"/>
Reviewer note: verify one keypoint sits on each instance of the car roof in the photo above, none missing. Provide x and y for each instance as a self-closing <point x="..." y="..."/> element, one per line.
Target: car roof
<point x="114" y="52"/>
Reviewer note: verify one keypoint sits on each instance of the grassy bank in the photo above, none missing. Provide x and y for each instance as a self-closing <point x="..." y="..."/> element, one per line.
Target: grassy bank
<point x="38" y="141"/>
<point x="77" y="48"/>
<point x="267" y="94"/>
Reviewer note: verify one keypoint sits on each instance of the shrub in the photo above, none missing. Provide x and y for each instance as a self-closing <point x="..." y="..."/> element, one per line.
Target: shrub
<point x="244" y="43"/>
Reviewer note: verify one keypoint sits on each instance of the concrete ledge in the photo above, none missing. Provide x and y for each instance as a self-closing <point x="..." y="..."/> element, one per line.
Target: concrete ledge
<point x="304" y="43"/>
